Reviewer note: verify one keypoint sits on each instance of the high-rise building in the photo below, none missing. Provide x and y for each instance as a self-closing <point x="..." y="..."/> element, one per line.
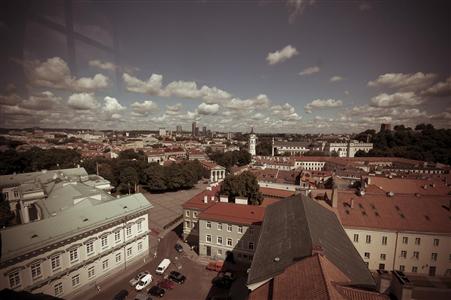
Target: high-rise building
<point x="162" y="131"/>
<point x="193" y="129"/>
<point x="179" y="129"/>
<point x="204" y="131"/>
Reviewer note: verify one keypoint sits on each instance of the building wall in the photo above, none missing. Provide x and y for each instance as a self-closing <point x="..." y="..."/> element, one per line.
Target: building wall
<point x="190" y="226"/>
<point x="311" y="165"/>
<point x="240" y="241"/>
<point x="68" y="270"/>
<point x="395" y="247"/>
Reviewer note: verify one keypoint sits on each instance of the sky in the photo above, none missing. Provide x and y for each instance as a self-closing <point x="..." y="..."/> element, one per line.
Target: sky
<point x="296" y="66"/>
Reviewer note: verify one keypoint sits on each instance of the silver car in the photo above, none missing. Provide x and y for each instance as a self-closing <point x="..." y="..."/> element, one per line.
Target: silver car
<point x="134" y="281"/>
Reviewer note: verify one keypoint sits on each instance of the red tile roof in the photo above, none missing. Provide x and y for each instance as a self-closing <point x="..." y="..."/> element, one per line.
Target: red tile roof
<point x="313" y="277"/>
<point x="400" y="212"/>
<point x="434" y="185"/>
<point x="276" y="193"/>
<point x="234" y="213"/>
<point x="197" y="202"/>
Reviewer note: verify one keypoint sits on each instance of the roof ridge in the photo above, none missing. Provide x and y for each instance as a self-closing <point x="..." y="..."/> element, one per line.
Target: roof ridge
<point x="323" y="275"/>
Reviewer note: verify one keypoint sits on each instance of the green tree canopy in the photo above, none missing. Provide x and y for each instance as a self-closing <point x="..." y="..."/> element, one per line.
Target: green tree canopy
<point x="243" y="185"/>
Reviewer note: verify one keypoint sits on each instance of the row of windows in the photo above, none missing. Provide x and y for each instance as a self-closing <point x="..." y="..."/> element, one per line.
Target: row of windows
<point x="403" y="254"/>
<point x="405" y="240"/>
<point x="55" y="262"/>
<point x="229" y="242"/>
<point x="229" y="227"/>
<point x="219" y="252"/>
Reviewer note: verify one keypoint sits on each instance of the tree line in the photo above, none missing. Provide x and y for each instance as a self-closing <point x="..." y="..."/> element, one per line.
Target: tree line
<point x="129" y="171"/>
<point x="424" y="142"/>
<point x="231" y="158"/>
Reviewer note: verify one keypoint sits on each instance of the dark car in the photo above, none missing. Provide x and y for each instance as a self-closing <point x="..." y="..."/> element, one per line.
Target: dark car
<point x="177" y="277"/>
<point x="178" y="248"/>
<point x="121" y="295"/>
<point x="166" y="284"/>
<point x="157" y="291"/>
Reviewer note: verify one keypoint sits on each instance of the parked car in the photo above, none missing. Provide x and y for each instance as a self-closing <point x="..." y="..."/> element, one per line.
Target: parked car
<point x="121" y="295"/>
<point x="142" y="296"/>
<point x="163" y="266"/>
<point x="177" y="277"/>
<point x="215" y="265"/>
<point x="178" y="248"/>
<point x="166" y="284"/>
<point x="143" y="282"/>
<point x="157" y="291"/>
<point x="137" y="278"/>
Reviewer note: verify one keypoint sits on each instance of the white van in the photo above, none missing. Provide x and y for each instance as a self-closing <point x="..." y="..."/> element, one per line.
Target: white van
<point x="163" y="266"/>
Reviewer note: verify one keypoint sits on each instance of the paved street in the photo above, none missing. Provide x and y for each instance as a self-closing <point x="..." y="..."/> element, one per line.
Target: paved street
<point x="197" y="285"/>
<point x="168" y="206"/>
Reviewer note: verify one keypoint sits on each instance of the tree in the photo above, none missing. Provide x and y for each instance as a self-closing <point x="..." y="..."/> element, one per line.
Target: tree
<point x="243" y="185"/>
<point x="128" y="180"/>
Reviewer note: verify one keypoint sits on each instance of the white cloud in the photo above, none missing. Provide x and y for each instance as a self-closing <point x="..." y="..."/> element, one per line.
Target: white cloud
<point x="152" y="86"/>
<point x="260" y="102"/>
<point x="102" y="65"/>
<point x="173" y="109"/>
<point x="285" y="112"/>
<point x="309" y="71"/>
<point x="440" y="89"/>
<point x="208" y="109"/>
<point x="82" y="101"/>
<point x="336" y="78"/>
<point x="281" y="55"/>
<point x="10" y="99"/>
<point x="182" y="89"/>
<point x="214" y="95"/>
<point x="396" y="99"/>
<point x="112" y="106"/>
<point x="144" y="108"/>
<point x="43" y="101"/>
<point x="404" y="82"/>
<point x="55" y="73"/>
<point x="322" y="104"/>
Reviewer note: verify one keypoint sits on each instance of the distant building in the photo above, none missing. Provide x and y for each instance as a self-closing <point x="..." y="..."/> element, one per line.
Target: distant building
<point x="217" y="172"/>
<point x="385" y="127"/>
<point x="204" y="131"/>
<point x="348" y="149"/>
<point x="79" y="237"/>
<point x="162" y="132"/>
<point x="292" y="148"/>
<point x="179" y="129"/>
<point x="193" y="128"/>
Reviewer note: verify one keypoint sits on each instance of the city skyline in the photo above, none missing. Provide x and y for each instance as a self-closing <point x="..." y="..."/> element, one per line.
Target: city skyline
<point x="295" y="66"/>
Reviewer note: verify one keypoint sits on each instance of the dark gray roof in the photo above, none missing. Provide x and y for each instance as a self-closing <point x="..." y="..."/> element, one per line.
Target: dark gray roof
<point x="292" y="228"/>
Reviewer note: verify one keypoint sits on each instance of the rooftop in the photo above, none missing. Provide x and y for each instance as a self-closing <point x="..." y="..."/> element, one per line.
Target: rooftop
<point x="234" y="213"/>
<point x="198" y="201"/>
<point x="400" y="212"/>
<point x="292" y="229"/>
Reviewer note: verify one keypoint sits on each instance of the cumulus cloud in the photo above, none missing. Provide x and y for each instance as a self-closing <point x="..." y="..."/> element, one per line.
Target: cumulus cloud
<point x="259" y="102"/>
<point x="10" y="99"/>
<point x="82" y="101"/>
<point x="173" y="109"/>
<point x="309" y="71"/>
<point x="152" y="86"/>
<point x="104" y="65"/>
<point x="440" y="89"/>
<point x="396" y="99"/>
<point x="144" y="108"/>
<point x="208" y="109"/>
<point x="281" y="55"/>
<point x="112" y="106"/>
<point x="322" y="104"/>
<point x="43" y="101"/>
<point x="404" y="82"/>
<point x="336" y="78"/>
<point x="55" y="73"/>
<point x="285" y="111"/>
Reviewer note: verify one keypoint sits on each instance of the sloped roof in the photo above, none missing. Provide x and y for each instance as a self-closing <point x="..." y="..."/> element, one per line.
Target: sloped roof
<point x="313" y="277"/>
<point x="234" y="213"/>
<point x="292" y="229"/>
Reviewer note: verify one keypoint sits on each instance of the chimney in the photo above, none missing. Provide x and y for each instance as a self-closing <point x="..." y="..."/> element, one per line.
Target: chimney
<point x="205" y="199"/>
<point x="334" y="197"/>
